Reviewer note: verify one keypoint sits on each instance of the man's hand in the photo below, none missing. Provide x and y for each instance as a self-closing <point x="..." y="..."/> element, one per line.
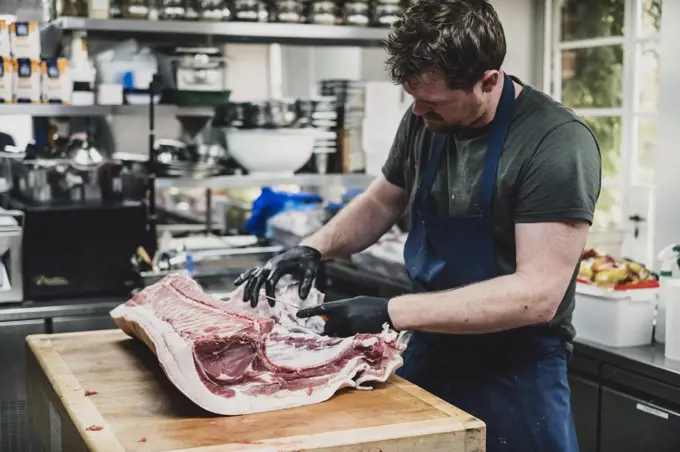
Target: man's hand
<point x="351" y="316"/>
<point x="302" y="262"/>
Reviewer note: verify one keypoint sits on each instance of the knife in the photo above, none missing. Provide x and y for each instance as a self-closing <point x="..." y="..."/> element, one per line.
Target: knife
<point x="282" y="302"/>
<point x="324" y="317"/>
<point x="224" y="296"/>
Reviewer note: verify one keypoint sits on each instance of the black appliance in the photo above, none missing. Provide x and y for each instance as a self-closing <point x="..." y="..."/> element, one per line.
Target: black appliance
<point x="74" y="250"/>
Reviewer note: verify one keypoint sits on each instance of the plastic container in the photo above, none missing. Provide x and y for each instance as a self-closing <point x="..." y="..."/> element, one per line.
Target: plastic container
<point x="670" y="271"/>
<point x="672" y="349"/>
<point x="615" y="318"/>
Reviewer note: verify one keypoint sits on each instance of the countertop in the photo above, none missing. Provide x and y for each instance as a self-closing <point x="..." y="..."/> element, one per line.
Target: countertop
<point x="133" y="406"/>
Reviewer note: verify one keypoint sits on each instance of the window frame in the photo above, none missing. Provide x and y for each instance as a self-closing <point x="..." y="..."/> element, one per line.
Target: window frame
<point x="629" y="113"/>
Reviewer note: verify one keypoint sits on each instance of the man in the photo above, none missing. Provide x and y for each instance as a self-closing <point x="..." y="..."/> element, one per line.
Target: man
<point x="500" y="182"/>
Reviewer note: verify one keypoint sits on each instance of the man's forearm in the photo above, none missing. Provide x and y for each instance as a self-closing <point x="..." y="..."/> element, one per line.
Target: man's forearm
<point x="498" y="304"/>
<point x="358" y="225"/>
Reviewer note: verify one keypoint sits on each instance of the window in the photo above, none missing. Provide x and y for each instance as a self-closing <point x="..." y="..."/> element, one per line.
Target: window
<point x="604" y="65"/>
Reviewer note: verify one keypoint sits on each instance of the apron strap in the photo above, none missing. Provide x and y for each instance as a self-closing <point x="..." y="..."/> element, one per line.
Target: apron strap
<point x="499" y="132"/>
<point x="438" y="146"/>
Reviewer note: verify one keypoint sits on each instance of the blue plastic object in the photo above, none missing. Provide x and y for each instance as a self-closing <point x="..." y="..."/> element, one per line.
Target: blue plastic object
<point x="128" y="80"/>
<point x="349" y="195"/>
<point x="270" y="203"/>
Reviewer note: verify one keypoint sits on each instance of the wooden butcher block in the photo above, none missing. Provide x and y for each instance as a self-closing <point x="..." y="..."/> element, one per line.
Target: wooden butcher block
<point x="131" y="406"/>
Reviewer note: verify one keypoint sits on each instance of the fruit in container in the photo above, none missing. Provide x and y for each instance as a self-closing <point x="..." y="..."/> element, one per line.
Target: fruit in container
<point x="605" y="270"/>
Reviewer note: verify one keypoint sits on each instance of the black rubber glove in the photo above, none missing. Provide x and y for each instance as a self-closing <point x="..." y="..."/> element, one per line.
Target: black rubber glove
<point x="302" y="262"/>
<point x="351" y="316"/>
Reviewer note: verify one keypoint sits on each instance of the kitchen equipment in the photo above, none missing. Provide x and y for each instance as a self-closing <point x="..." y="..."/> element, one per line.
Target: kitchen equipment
<point x="208" y="255"/>
<point x="135" y="9"/>
<point x="43" y="180"/>
<point x="75" y="179"/>
<point x="199" y="69"/>
<point x="616" y="318"/>
<point x="280" y="151"/>
<point x="669" y="258"/>
<point x="176" y="158"/>
<point x="216" y="10"/>
<point x="7" y="157"/>
<point x="79" y="249"/>
<point x="250" y="11"/>
<point x="394" y="416"/>
<point x="11" y="283"/>
<point x="288" y="11"/>
<point x="172" y="10"/>
<point x="357" y="13"/>
<point x="322" y="12"/>
<point x="387" y="12"/>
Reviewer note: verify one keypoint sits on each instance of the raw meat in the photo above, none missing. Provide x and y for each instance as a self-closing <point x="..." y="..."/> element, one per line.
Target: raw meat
<point x="231" y="361"/>
<point x="282" y="314"/>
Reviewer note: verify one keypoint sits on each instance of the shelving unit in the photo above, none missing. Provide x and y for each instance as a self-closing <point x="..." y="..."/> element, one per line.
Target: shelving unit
<point x="308" y="180"/>
<point x="48" y="110"/>
<point x="253" y="32"/>
<point x="189" y="32"/>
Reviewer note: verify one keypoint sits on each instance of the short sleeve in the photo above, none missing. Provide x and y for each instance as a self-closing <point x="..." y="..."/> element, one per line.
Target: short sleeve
<point x="394" y="168"/>
<point x="562" y="180"/>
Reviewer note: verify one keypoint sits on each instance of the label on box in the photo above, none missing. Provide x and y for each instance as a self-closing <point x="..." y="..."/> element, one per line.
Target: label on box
<point x="25" y="40"/>
<point x="6" y="80"/>
<point x="56" y="82"/>
<point x="26" y="81"/>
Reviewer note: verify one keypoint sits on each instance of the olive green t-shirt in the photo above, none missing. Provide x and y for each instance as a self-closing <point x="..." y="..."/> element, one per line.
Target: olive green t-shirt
<point x="550" y="170"/>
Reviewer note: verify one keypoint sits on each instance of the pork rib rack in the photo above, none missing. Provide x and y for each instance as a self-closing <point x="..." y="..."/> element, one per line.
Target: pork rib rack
<point x="233" y="362"/>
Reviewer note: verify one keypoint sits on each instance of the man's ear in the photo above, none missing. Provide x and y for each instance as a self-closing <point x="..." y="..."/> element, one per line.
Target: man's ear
<point x="489" y="80"/>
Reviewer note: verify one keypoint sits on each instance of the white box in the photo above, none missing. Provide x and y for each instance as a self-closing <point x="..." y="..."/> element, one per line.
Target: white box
<point x="25" y="40"/>
<point x="56" y="81"/>
<point x="26" y="81"/>
<point x="6" y="80"/>
<point x="616" y="318"/>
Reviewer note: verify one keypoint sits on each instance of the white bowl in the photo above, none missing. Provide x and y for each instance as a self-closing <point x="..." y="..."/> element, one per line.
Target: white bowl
<point x="276" y="151"/>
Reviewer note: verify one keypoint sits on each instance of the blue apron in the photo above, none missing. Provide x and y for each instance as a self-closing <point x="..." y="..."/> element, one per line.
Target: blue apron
<point x="515" y="381"/>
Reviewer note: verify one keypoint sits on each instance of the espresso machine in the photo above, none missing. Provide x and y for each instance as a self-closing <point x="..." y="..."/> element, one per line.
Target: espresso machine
<point x="80" y="225"/>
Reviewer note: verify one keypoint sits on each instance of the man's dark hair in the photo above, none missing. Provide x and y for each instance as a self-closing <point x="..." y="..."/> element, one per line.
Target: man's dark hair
<point x="461" y="38"/>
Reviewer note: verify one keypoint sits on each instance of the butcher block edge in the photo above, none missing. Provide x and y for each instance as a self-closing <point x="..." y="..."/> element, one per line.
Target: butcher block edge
<point x="61" y="414"/>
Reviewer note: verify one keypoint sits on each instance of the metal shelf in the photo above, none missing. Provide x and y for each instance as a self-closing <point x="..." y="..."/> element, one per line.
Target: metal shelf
<point x="54" y="110"/>
<point x="164" y="110"/>
<point x="231" y="31"/>
<point x="101" y="110"/>
<point x="310" y="180"/>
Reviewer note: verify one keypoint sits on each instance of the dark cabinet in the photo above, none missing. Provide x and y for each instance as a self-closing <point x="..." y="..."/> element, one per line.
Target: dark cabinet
<point x="585" y="406"/>
<point x="632" y="424"/>
<point x="13" y="358"/>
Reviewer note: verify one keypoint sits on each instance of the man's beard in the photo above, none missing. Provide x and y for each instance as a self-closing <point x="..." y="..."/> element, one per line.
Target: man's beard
<point x="437" y="124"/>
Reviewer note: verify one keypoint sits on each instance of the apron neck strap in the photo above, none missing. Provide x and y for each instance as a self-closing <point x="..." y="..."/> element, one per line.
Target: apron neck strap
<point x="499" y="130"/>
